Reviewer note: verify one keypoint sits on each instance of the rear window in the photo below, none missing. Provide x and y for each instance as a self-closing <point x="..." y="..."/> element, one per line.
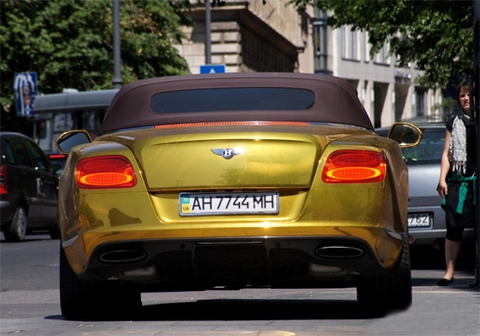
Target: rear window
<point x="23" y="152"/>
<point x="17" y="153"/>
<point x="41" y="161"/>
<point x="233" y="99"/>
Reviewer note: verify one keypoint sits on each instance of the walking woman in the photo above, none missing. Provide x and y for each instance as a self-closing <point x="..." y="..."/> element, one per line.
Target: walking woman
<point x="458" y="172"/>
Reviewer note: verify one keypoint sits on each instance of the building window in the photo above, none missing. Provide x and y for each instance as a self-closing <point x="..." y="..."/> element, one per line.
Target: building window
<point x="320" y="45"/>
<point x="349" y="43"/>
<point x="382" y="56"/>
<point x="419" y="101"/>
<point x="320" y="42"/>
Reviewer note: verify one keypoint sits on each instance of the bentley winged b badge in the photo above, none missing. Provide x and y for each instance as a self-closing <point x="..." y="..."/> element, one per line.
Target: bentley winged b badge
<point x="228" y="153"/>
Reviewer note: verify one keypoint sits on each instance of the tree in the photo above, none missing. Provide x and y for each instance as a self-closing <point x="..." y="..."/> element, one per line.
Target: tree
<point x="436" y="35"/>
<point x="69" y="43"/>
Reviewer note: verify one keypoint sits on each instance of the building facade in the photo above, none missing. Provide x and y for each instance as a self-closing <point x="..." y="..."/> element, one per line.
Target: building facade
<point x="259" y="36"/>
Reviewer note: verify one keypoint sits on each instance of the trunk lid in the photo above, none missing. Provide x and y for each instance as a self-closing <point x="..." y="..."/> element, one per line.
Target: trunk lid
<point x="230" y="161"/>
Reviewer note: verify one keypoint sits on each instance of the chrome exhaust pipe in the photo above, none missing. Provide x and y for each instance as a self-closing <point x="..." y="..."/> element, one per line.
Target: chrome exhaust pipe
<point x="123" y="256"/>
<point x="339" y="252"/>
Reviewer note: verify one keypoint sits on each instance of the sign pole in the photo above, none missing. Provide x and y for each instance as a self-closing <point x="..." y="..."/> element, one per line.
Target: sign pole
<point x="208" y="43"/>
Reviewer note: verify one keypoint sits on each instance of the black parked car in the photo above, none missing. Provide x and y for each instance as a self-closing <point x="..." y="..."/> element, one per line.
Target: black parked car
<point x="28" y="188"/>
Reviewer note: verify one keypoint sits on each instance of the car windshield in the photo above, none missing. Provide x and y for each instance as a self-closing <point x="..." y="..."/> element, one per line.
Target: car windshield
<point x="429" y="150"/>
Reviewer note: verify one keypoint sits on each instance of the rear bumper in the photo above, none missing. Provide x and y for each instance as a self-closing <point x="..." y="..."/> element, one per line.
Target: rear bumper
<point x="241" y="262"/>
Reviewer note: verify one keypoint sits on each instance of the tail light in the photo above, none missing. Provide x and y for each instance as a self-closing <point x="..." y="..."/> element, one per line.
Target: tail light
<point x="354" y="166"/>
<point x="100" y="172"/>
<point x="57" y="156"/>
<point x="3" y="180"/>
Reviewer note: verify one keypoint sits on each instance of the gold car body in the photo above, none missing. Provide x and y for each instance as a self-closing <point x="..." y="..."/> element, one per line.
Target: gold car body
<point x="193" y="182"/>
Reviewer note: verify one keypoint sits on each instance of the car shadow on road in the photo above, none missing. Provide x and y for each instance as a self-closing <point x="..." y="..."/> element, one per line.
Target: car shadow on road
<point x="237" y="309"/>
<point x="248" y="310"/>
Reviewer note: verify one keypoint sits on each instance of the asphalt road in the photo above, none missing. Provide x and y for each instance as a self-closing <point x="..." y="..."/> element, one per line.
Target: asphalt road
<point x="29" y="304"/>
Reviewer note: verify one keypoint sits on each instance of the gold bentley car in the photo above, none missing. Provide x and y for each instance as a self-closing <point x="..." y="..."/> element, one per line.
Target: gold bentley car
<point x="237" y="180"/>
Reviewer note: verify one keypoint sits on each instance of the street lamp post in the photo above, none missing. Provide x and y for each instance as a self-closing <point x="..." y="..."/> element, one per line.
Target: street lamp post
<point x="117" y="76"/>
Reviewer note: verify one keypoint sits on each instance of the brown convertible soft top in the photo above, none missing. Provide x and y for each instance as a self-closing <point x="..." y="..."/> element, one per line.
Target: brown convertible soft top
<point x="335" y="100"/>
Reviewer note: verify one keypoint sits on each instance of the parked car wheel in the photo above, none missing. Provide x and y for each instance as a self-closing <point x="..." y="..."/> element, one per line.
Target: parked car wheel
<point x="55" y="230"/>
<point x="86" y="300"/>
<point x="391" y="292"/>
<point x="18" y="226"/>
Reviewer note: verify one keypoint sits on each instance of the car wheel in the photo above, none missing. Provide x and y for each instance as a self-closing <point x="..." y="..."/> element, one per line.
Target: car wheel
<point x="391" y="292"/>
<point x="88" y="300"/>
<point x="18" y="227"/>
<point x="55" y="231"/>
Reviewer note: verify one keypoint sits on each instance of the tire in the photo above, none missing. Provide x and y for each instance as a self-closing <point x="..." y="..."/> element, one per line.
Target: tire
<point x="18" y="226"/>
<point x="81" y="300"/>
<point x="55" y="232"/>
<point x="380" y="295"/>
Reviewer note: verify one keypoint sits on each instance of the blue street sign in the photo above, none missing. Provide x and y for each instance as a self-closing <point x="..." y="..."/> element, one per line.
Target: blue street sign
<point x="25" y="88"/>
<point x="212" y="68"/>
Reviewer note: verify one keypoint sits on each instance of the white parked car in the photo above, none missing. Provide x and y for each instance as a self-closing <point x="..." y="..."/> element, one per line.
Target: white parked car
<point x="426" y="219"/>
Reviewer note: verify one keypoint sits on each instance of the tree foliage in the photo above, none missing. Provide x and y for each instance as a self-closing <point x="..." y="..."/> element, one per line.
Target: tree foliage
<point x="69" y="43"/>
<point x="436" y="35"/>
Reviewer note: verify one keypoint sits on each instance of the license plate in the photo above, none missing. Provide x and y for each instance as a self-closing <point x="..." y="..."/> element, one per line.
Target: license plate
<point x="207" y="204"/>
<point x="419" y="220"/>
